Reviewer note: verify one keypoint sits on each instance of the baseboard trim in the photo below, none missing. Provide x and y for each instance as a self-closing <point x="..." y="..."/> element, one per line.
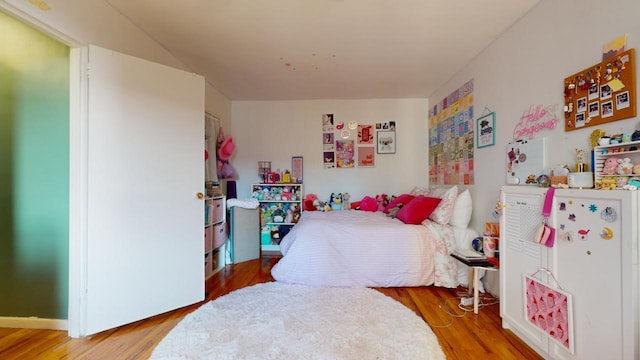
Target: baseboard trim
<point x="34" y="323"/>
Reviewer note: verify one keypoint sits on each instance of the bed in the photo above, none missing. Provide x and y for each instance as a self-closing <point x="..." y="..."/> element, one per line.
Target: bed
<point x="369" y="248"/>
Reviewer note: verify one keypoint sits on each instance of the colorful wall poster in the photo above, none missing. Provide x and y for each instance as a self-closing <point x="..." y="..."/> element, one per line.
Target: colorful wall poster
<point x="451" y="138"/>
<point x="345" y="154"/>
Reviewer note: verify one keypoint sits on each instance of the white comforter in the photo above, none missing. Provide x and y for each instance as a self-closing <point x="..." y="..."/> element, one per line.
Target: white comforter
<point x="360" y="248"/>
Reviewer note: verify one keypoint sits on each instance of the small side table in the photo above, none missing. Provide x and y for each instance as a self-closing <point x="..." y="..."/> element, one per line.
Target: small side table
<point x="474" y="276"/>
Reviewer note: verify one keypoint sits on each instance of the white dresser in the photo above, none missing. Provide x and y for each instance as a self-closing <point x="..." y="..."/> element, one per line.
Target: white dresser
<point x="594" y="259"/>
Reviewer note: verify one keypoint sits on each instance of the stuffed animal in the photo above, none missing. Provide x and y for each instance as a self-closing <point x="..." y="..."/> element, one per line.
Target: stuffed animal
<point x="625" y="167"/>
<point x="295" y="209"/>
<point x="319" y="205"/>
<point x="336" y="201"/>
<point x="383" y="200"/>
<point x="621" y="181"/>
<point x="368" y="204"/>
<point x="308" y="202"/>
<point x="393" y="212"/>
<point x="345" y="202"/>
<point x="636" y="169"/>
<point x="610" y="166"/>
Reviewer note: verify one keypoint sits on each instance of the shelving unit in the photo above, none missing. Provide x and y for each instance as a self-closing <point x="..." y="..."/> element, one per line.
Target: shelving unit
<point x="280" y="209"/>
<point x="215" y="234"/>
<point x="622" y="150"/>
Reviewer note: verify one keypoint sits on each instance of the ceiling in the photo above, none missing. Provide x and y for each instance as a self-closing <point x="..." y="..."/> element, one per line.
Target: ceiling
<point x="324" y="49"/>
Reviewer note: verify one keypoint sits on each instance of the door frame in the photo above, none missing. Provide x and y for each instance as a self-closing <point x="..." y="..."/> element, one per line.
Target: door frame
<point x="78" y="199"/>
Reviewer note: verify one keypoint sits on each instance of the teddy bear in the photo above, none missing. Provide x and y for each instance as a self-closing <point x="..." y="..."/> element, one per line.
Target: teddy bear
<point x="625" y="167"/>
<point x="636" y="169"/>
<point x="610" y="166"/>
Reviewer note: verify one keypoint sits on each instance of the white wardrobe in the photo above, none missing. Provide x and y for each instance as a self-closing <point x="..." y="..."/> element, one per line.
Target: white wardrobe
<point x="594" y="260"/>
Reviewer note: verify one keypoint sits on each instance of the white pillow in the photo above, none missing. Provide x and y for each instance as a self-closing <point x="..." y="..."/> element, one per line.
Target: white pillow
<point x="462" y="208"/>
<point x="417" y="190"/>
<point x="442" y="214"/>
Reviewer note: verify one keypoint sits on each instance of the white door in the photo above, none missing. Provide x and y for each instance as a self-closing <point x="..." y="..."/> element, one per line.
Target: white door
<point x="140" y="236"/>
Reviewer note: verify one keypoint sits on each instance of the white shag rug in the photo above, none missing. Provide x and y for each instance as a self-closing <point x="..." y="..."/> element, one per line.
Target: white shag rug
<point x="282" y="321"/>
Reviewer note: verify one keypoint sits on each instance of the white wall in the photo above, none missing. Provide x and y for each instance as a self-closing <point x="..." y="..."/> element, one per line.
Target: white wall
<point x="527" y="66"/>
<point x="278" y="130"/>
<point x="80" y="23"/>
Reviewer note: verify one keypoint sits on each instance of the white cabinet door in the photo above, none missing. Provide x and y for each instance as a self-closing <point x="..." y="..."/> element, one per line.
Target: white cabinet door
<point x="597" y="268"/>
<point x="520" y="256"/>
<point x="141" y="252"/>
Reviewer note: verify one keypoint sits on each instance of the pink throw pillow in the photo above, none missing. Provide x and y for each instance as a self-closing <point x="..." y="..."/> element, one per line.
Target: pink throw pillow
<point x="418" y="209"/>
<point x="402" y="199"/>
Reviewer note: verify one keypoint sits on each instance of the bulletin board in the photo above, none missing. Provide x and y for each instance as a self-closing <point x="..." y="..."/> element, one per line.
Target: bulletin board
<point x="525" y="161"/>
<point x="602" y="93"/>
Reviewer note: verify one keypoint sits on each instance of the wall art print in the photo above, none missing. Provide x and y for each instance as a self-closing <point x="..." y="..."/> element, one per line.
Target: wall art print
<point x="366" y="156"/>
<point x="365" y="134"/>
<point x="345" y="153"/>
<point x="451" y="138"/>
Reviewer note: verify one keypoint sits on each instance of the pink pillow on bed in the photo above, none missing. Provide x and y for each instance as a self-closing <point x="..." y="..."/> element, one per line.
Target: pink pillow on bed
<point x="402" y="199"/>
<point x="418" y="209"/>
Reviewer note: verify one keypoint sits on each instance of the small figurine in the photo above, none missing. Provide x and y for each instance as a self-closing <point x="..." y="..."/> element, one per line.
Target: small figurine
<point x="580" y="167"/>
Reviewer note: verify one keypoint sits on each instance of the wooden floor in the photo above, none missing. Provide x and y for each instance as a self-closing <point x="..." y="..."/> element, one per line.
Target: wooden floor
<point x="462" y="337"/>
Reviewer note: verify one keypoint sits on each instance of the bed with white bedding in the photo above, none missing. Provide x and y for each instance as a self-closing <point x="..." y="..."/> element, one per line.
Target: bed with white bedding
<point x="362" y="248"/>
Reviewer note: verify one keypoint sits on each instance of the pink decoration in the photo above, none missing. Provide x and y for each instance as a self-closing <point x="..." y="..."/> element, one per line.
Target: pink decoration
<point x="534" y="120"/>
<point x="550" y="310"/>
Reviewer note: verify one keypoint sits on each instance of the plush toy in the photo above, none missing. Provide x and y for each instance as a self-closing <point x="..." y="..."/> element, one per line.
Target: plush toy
<point x="610" y="166"/>
<point x="382" y="200"/>
<point x="336" y="201"/>
<point x="308" y="202"/>
<point x="393" y="212"/>
<point x="621" y="181"/>
<point x="368" y="204"/>
<point x="319" y="205"/>
<point x="625" y="167"/>
<point x="295" y="208"/>
<point x="636" y="169"/>
<point x="289" y="217"/>
<point x="345" y="202"/>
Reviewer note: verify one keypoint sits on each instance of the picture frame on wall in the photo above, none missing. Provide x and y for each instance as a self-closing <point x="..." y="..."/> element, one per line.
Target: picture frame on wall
<point x="386" y="142"/>
<point x="486" y="130"/>
<point x="296" y="169"/>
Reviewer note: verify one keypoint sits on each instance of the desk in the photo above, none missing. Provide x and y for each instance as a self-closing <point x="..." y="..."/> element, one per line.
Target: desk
<point x="474" y="277"/>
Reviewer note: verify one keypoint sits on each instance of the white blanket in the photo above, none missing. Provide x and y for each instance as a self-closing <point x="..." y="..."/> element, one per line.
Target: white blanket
<point x="360" y="248"/>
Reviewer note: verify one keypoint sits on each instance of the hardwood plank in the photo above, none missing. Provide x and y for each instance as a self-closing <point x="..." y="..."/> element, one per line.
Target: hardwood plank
<point x="462" y="335"/>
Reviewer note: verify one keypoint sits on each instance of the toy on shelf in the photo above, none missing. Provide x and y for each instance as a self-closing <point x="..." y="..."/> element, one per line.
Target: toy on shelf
<point x="610" y="166"/>
<point x="625" y="167"/>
